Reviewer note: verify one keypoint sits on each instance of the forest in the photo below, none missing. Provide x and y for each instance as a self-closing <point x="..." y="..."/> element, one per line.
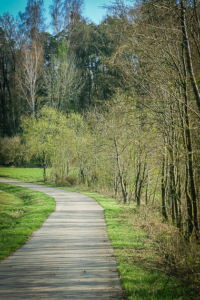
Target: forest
<point x="114" y="107"/>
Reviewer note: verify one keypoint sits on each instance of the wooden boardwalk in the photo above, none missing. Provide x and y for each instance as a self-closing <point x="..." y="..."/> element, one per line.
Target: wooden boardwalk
<point x="69" y="257"/>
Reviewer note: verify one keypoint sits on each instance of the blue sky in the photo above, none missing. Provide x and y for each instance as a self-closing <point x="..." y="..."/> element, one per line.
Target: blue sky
<point x="92" y="8"/>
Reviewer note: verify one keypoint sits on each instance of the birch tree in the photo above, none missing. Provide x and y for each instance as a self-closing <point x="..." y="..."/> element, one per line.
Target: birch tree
<point x="30" y="74"/>
<point x="63" y="83"/>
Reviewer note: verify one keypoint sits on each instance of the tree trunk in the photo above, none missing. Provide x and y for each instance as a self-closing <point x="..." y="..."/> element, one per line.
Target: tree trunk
<point x="190" y="184"/>
<point x="163" y="188"/>
<point x="191" y="195"/>
<point x="123" y="187"/>
<point x="44" y="166"/>
<point x="188" y="54"/>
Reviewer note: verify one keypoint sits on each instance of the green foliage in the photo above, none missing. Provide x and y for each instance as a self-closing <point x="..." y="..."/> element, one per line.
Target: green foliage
<point x="22" y="211"/>
<point x="40" y="133"/>
<point x="62" y="81"/>
<point x="62" y="50"/>
<point x="10" y="151"/>
<point x="64" y="139"/>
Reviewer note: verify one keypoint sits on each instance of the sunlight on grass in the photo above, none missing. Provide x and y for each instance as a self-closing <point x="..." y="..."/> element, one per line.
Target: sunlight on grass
<point x="135" y="254"/>
<point x="22" y="211"/>
<point x="23" y="174"/>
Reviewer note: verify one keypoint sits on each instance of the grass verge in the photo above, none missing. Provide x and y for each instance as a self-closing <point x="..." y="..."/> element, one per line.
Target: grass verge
<point x="138" y="263"/>
<point x="22" y="211"/>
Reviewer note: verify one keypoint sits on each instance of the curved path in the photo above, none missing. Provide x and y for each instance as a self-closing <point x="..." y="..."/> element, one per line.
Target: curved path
<point x="69" y="257"/>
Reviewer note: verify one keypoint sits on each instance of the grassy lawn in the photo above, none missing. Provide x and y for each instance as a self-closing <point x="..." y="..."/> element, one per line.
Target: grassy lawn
<point x="139" y="265"/>
<point x="22" y="211"/>
<point x="23" y="174"/>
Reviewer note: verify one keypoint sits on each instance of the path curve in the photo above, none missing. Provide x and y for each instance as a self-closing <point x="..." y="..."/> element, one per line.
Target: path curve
<point x="69" y="257"/>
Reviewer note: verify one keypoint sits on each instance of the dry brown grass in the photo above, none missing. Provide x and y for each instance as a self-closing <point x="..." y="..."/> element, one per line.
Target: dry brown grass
<point x="175" y="256"/>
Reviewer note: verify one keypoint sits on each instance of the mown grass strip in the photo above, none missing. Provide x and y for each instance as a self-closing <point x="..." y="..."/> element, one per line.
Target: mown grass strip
<point x="22" y="211"/>
<point x="23" y="174"/>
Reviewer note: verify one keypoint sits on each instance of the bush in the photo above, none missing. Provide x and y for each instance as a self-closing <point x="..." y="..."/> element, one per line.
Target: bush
<point x="177" y="258"/>
<point x="10" y="151"/>
<point x="70" y="180"/>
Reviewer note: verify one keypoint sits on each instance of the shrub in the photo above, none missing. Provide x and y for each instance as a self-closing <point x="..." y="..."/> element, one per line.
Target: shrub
<point x="70" y="180"/>
<point x="10" y="151"/>
<point x="177" y="258"/>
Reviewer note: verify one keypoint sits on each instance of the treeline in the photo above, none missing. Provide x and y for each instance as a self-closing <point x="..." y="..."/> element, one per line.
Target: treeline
<point x="65" y="70"/>
<point x="114" y="106"/>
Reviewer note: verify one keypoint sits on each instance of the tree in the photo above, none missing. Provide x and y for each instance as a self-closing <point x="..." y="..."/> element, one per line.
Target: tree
<point x="30" y="74"/>
<point x="156" y="55"/>
<point x="32" y="22"/>
<point x="71" y="13"/>
<point x="120" y="154"/>
<point x="9" y="101"/>
<point x="49" y="139"/>
<point x="93" y="47"/>
<point x="63" y="82"/>
<point x="56" y="16"/>
<point x="65" y="16"/>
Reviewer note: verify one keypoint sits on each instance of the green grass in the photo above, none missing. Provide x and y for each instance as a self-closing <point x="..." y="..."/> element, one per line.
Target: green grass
<point x="138" y="264"/>
<point x="137" y="260"/>
<point x="23" y="174"/>
<point x="22" y="211"/>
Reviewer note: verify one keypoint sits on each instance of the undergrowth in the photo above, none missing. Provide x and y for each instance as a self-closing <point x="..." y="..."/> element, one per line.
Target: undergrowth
<point x="141" y="263"/>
